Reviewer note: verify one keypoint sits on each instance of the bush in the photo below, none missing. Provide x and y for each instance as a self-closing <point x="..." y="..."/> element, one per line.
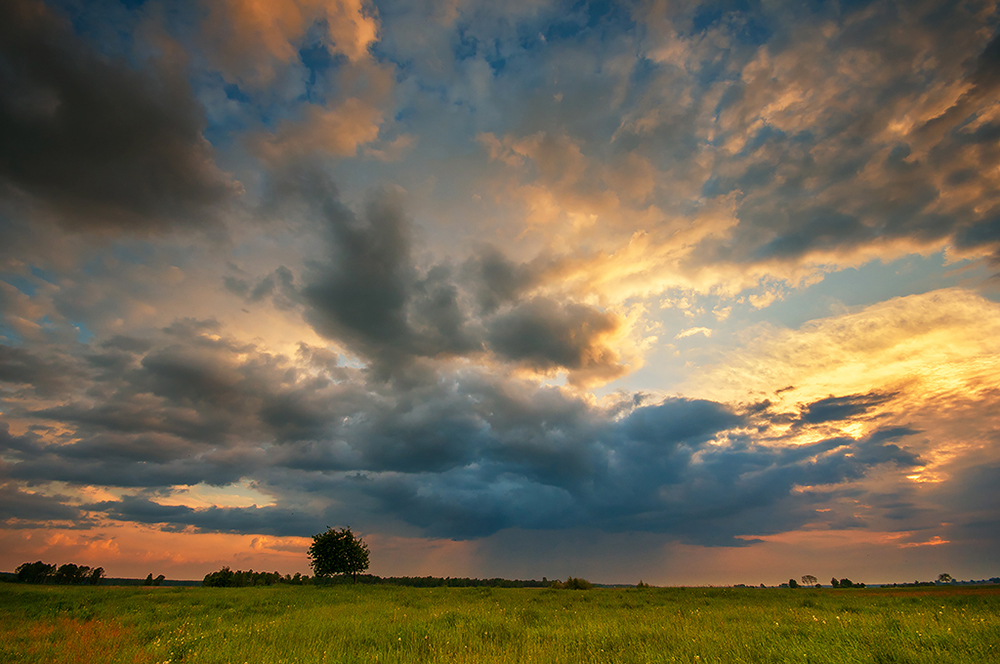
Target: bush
<point x="572" y="584"/>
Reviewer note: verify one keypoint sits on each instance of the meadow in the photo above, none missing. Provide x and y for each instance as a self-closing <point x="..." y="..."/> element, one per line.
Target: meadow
<point x="386" y="624"/>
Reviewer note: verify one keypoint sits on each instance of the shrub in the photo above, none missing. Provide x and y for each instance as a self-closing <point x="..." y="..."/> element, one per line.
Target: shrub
<point x="572" y="583"/>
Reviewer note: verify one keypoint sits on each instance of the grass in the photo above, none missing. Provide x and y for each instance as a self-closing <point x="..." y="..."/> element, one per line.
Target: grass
<point x="387" y="624"/>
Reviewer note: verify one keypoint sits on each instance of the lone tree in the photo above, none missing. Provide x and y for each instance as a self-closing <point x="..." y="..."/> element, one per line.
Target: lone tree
<point x="338" y="552"/>
<point x="808" y="580"/>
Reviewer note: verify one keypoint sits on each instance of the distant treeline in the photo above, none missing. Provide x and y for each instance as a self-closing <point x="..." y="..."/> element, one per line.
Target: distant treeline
<point x="227" y="578"/>
<point x="920" y="584"/>
<point x="69" y="574"/>
<point x="72" y="574"/>
<point x="446" y="582"/>
<point x="119" y="581"/>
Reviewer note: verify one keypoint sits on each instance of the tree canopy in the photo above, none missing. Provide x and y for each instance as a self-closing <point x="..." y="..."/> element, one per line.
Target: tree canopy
<point x="68" y="574"/>
<point x="338" y="551"/>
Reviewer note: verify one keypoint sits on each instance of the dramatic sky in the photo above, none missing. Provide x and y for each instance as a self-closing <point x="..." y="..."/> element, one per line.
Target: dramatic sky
<point x="687" y="292"/>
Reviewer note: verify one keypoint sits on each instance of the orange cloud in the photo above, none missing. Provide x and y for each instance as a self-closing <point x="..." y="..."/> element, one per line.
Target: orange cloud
<point x="336" y="131"/>
<point x="250" y="37"/>
<point x="936" y="343"/>
<point x="934" y="541"/>
<point x="393" y="150"/>
<point x="930" y="364"/>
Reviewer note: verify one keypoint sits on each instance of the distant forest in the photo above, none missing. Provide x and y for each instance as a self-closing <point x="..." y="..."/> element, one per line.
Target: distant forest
<point x="227" y="578"/>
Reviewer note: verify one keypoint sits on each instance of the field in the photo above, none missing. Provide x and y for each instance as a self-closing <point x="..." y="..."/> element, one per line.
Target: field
<point x="386" y="624"/>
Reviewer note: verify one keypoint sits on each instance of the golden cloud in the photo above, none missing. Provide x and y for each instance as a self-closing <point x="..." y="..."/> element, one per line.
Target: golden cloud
<point x="250" y="37"/>
<point x="337" y="131"/>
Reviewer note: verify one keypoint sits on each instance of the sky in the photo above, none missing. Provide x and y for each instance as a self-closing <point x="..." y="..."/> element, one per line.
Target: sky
<point x="682" y="292"/>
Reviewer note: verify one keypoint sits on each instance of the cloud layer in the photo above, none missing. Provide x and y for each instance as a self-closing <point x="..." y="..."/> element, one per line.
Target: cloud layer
<point x="697" y="275"/>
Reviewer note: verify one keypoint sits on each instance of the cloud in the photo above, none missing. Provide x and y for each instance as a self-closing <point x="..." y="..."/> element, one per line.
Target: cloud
<point x="464" y="455"/>
<point x="458" y="453"/>
<point x="691" y="331"/>
<point x="257" y="520"/>
<point x="915" y="376"/>
<point x="45" y="375"/>
<point x="339" y="131"/>
<point x="279" y="286"/>
<point x="679" y="420"/>
<point x="23" y="509"/>
<point x="497" y="280"/>
<point x="834" y="409"/>
<point x="934" y="343"/>
<point x="546" y="334"/>
<point x="838" y="120"/>
<point x="103" y="145"/>
<point x="558" y="189"/>
<point x="648" y="480"/>
<point x="250" y="39"/>
<point x="751" y="150"/>
<point x="371" y="294"/>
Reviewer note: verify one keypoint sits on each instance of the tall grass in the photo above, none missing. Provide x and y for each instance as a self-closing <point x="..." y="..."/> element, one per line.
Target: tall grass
<point x="395" y="624"/>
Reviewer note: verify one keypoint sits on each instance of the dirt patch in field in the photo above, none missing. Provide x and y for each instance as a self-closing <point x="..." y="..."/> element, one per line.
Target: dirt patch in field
<point x="65" y="640"/>
<point x="938" y="591"/>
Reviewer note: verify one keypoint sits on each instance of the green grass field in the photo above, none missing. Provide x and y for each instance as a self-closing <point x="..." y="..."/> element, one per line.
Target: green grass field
<point x="279" y="624"/>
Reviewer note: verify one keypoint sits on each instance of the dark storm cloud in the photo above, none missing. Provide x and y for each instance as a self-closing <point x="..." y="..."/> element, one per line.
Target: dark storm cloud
<point x="818" y="229"/>
<point x="370" y="294"/>
<point x="498" y="280"/>
<point x="679" y="420"/>
<point x="362" y="293"/>
<point x="26" y="510"/>
<point x="127" y="344"/>
<point x="145" y="448"/>
<point x="985" y="79"/>
<point x="60" y="465"/>
<point x="456" y="455"/>
<point x="279" y="286"/>
<point x="461" y="506"/>
<point x="545" y="333"/>
<point x="833" y="409"/>
<point x="193" y="376"/>
<point x="880" y="448"/>
<point x="257" y="520"/>
<point x="46" y="375"/>
<point x="104" y="145"/>
<point x="10" y="443"/>
<point x="972" y="502"/>
<point x="128" y="414"/>
<point x="702" y="494"/>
